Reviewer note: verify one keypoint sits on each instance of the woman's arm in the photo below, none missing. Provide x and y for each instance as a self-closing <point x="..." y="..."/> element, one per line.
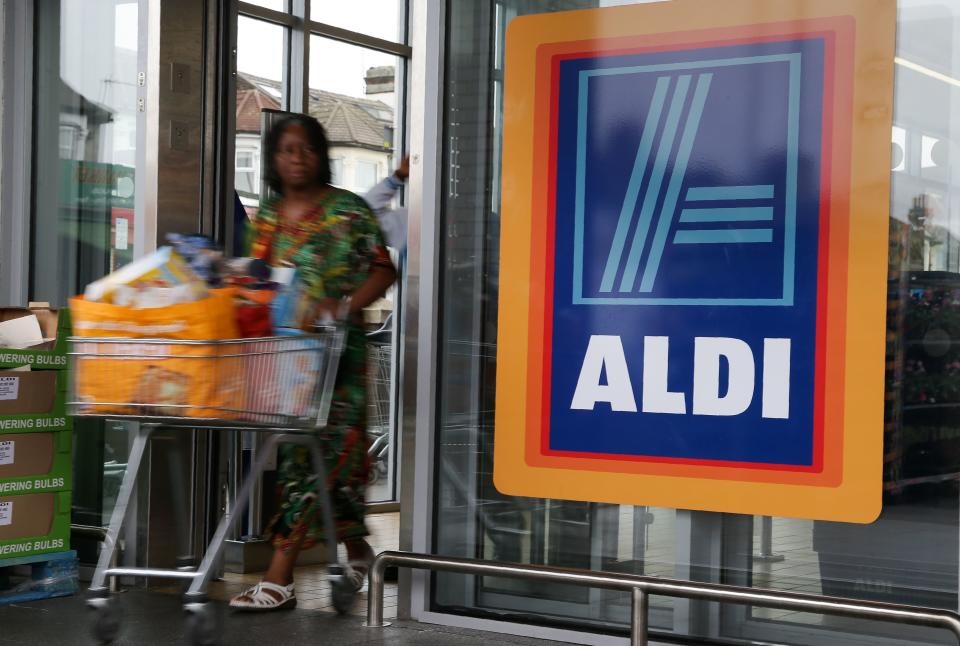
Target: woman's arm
<point x="369" y="255"/>
<point x="381" y="276"/>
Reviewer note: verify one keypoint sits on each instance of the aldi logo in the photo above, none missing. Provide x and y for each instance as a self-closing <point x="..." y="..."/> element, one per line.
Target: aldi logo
<point x="684" y="319"/>
<point x="689" y="189"/>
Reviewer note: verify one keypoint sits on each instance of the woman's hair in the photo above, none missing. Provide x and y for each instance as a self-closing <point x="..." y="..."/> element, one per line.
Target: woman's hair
<point x="315" y="135"/>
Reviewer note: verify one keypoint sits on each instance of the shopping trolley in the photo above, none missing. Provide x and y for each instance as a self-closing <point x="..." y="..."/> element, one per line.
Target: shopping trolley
<point x="380" y="386"/>
<point x="279" y="386"/>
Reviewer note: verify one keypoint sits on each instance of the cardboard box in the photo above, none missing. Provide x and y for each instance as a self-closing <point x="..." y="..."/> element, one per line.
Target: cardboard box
<point x="54" y="325"/>
<point x="33" y="401"/>
<point x="35" y="462"/>
<point x="35" y="523"/>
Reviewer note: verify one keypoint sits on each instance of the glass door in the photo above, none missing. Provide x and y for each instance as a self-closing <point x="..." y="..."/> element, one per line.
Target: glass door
<point x="345" y="65"/>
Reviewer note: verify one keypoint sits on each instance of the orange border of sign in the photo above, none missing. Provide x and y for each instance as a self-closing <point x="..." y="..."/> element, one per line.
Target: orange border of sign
<point x="856" y="169"/>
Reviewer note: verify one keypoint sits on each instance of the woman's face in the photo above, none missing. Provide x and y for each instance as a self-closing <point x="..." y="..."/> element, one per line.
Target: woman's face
<point x="296" y="160"/>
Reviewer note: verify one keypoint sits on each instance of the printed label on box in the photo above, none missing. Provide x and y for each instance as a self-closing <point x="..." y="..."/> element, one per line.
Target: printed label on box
<point x="9" y="388"/>
<point x="6" y="513"/>
<point x="7" y="452"/>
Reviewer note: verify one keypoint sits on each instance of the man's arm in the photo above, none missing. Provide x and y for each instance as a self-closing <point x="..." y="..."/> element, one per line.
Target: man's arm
<point x="379" y="196"/>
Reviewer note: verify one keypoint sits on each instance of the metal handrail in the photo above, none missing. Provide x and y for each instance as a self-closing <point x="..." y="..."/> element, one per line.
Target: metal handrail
<point x="643" y="586"/>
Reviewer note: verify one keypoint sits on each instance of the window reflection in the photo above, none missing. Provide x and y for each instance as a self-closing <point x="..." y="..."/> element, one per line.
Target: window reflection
<point x="86" y="125"/>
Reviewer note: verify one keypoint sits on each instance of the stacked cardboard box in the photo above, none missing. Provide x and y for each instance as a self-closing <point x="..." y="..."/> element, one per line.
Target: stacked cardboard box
<point x="36" y="437"/>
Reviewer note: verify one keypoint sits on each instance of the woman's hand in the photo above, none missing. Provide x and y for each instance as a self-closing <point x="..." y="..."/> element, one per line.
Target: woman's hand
<point x="324" y="309"/>
<point x="331" y="309"/>
<point x="376" y="284"/>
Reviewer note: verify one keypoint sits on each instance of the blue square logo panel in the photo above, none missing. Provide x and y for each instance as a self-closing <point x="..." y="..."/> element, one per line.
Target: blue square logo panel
<point x="663" y="196"/>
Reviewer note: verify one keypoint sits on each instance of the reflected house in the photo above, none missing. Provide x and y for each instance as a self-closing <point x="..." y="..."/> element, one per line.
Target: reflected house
<point x="80" y="125"/>
<point x="253" y="96"/>
<point x="95" y="198"/>
<point x="360" y="131"/>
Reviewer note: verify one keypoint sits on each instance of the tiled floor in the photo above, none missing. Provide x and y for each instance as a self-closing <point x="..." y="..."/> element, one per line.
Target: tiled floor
<point x="313" y="593"/>
<point x="660" y="538"/>
<point x="799" y="569"/>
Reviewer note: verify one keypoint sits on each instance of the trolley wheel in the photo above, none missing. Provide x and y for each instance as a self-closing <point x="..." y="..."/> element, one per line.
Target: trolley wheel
<point x="201" y="625"/>
<point x="106" y="620"/>
<point x="342" y="594"/>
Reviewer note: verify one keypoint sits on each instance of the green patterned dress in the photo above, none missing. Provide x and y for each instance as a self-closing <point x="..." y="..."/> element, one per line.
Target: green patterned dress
<point x="333" y="247"/>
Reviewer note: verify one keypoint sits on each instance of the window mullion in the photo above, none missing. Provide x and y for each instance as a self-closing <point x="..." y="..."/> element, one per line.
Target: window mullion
<point x="359" y="39"/>
<point x="299" y="58"/>
<point x="307" y="12"/>
<point x="267" y="15"/>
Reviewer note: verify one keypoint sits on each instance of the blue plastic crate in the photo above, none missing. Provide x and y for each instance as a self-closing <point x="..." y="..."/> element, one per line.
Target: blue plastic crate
<point x="51" y="575"/>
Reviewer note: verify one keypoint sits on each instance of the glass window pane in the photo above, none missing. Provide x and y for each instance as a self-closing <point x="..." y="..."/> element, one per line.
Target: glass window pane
<point x="86" y="137"/>
<point x="260" y="47"/>
<point x="380" y="18"/>
<point x="336" y="171"/>
<point x="244" y="160"/>
<point x="353" y="93"/>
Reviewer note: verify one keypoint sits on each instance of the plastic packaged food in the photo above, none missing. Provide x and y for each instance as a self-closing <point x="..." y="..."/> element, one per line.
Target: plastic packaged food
<point x="201" y="254"/>
<point x="164" y="268"/>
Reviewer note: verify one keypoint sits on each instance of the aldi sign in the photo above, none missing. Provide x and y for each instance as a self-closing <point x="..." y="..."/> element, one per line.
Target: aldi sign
<point x="693" y="256"/>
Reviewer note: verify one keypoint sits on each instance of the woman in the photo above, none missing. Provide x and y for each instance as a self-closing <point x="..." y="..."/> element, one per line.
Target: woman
<point x="333" y="239"/>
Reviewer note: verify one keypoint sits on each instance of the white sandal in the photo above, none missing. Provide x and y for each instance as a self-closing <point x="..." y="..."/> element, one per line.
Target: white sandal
<point x="355" y="573"/>
<point x="265" y="596"/>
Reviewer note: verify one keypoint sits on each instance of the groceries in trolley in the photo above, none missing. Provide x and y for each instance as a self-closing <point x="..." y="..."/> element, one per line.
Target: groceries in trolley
<point x="185" y="332"/>
<point x="160" y="279"/>
<point x="201" y="254"/>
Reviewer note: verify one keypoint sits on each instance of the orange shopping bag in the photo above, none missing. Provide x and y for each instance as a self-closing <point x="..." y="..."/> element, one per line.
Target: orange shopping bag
<point x="179" y="370"/>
